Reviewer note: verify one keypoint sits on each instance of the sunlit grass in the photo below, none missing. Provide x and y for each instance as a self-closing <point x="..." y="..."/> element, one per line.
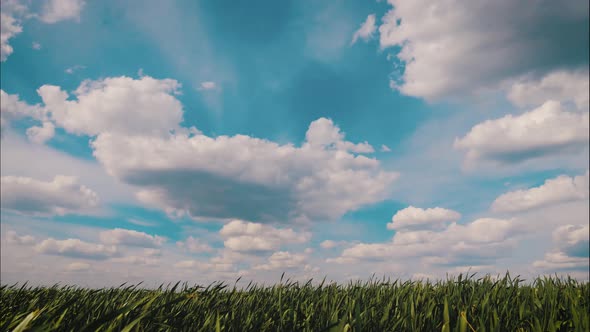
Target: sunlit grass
<point x="457" y="304"/>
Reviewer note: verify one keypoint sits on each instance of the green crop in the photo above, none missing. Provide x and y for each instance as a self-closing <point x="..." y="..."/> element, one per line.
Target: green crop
<point x="458" y="304"/>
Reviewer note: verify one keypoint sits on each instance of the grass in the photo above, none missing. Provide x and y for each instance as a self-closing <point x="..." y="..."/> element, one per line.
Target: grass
<point x="457" y="304"/>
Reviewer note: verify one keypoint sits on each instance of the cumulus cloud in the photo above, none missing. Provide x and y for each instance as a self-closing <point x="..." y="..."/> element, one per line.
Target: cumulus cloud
<point x="128" y="237"/>
<point x="480" y="241"/>
<point x="322" y="134"/>
<point x="366" y="30"/>
<point x="283" y="260"/>
<point x="180" y="170"/>
<point x="545" y="131"/>
<point x="245" y="236"/>
<point x="458" y="47"/>
<point x="417" y="218"/>
<point x="194" y="245"/>
<point x="247" y="178"/>
<point x="63" y="195"/>
<point x="76" y="248"/>
<point x="573" y="240"/>
<point x="54" y="11"/>
<point x="562" y="85"/>
<point x="119" y="105"/>
<point x="554" y="191"/>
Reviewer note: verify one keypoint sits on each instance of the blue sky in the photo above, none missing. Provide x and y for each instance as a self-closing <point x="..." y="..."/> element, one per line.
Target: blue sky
<point x="205" y="140"/>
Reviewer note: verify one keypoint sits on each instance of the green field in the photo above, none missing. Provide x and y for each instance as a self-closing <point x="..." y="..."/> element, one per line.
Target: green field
<point x="458" y="304"/>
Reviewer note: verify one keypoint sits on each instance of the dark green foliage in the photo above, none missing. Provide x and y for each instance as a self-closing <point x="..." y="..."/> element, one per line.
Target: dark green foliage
<point x="462" y="304"/>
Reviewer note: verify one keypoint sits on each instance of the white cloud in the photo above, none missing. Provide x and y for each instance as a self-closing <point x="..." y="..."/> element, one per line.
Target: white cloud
<point x="366" y="30"/>
<point x="385" y="148"/>
<point x="322" y="133"/>
<point x="459" y="47"/>
<point x="54" y="11"/>
<point x="553" y="191"/>
<point x="194" y="245"/>
<point x="12" y="108"/>
<point x="140" y="141"/>
<point x="545" y="131"/>
<point x="61" y="196"/>
<point x="117" y="105"/>
<point x="10" y="25"/>
<point x="559" y="261"/>
<point x="247" y="178"/>
<point x="573" y="240"/>
<point x="283" y="260"/>
<point x="78" y="266"/>
<point x="245" y="236"/>
<point x="76" y="248"/>
<point x="479" y="241"/>
<point x="207" y="85"/>
<point x="417" y="218"/>
<point x="128" y="237"/>
<point x="42" y="134"/>
<point x="128" y="264"/>
<point x="13" y="238"/>
<point x="571" y="252"/>
<point x="36" y="46"/>
<point x="561" y="85"/>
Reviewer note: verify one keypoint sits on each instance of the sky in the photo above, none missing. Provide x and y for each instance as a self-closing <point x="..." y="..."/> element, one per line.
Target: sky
<point x="159" y="141"/>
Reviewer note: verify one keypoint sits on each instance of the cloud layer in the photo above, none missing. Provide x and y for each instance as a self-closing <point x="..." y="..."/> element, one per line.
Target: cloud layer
<point x="75" y="248"/>
<point x="63" y="195"/>
<point x="476" y="243"/>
